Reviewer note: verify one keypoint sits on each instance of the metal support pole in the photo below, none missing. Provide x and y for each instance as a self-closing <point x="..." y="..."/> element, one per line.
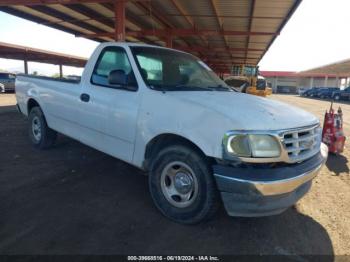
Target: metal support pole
<point x="325" y="81"/>
<point x="26" y="66"/>
<point x="61" y="71"/>
<point x="169" y="41"/>
<point x="311" y="82"/>
<point x="337" y="81"/>
<point x="119" y="20"/>
<point x="275" y="83"/>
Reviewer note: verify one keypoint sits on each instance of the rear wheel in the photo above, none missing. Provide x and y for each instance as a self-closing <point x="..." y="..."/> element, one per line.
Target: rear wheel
<point x="182" y="185"/>
<point x="39" y="133"/>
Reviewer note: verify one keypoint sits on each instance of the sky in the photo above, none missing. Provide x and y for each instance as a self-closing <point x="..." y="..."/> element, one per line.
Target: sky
<point x="317" y="34"/>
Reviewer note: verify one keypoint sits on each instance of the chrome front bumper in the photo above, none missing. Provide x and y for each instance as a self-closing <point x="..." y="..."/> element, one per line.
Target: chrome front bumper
<point x="252" y="191"/>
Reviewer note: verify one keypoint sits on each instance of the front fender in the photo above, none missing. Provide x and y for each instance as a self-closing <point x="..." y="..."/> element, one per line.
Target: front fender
<point x="168" y="115"/>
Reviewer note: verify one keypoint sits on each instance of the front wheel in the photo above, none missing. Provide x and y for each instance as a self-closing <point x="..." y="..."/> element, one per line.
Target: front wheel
<point x="39" y="133"/>
<point x="182" y="185"/>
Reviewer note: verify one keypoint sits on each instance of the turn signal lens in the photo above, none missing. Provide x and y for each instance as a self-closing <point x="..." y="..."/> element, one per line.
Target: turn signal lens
<point x="239" y="145"/>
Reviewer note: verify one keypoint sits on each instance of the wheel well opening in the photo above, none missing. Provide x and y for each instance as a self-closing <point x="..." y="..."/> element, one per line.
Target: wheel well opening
<point x="32" y="103"/>
<point x="162" y="141"/>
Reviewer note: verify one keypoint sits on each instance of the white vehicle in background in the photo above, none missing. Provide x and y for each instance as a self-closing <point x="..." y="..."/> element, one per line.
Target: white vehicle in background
<point x="301" y="90"/>
<point x="166" y="112"/>
<point x="8" y="81"/>
<point x="2" y="88"/>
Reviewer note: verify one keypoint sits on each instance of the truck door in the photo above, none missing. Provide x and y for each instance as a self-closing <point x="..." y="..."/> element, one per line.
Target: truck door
<point x="109" y="112"/>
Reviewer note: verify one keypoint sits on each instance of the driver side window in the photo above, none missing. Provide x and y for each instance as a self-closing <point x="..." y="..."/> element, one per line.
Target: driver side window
<point x="112" y="58"/>
<point x="151" y="69"/>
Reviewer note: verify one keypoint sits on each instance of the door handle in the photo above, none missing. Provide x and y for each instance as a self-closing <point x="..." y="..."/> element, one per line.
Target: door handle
<point x="84" y="97"/>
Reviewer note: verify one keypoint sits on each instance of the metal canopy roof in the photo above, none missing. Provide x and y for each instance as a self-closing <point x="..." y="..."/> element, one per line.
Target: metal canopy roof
<point x="340" y="68"/>
<point x="11" y="51"/>
<point x="221" y="32"/>
<point x="301" y="74"/>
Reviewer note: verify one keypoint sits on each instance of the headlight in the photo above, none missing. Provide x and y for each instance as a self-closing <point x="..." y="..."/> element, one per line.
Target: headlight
<point x="253" y="146"/>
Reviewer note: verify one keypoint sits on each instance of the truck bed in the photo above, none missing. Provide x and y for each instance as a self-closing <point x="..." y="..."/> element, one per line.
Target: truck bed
<point x="72" y="81"/>
<point x="41" y="86"/>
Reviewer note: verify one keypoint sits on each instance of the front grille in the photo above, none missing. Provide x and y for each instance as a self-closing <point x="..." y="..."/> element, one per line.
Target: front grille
<point x="302" y="143"/>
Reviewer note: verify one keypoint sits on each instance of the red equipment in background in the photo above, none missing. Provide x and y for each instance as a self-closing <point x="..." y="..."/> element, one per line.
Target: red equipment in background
<point x="332" y="133"/>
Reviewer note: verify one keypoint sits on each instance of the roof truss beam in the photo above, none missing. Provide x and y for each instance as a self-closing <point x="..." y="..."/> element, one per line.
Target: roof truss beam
<point x="219" y="20"/>
<point x="91" y="14"/>
<point x="17" y="52"/>
<point x="180" y="32"/>
<point x="181" y="10"/>
<point x="132" y="19"/>
<point x="219" y="49"/>
<point x="62" y="2"/>
<point x="158" y="15"/>
<point x="65" y="18"/>
<point x="229" y="16"/>
<point x="252" y="8"/>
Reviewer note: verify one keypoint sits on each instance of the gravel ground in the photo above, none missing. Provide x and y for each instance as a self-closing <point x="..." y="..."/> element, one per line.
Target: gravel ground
<point x="328" y="202"/>
<point x="72" y="199"/>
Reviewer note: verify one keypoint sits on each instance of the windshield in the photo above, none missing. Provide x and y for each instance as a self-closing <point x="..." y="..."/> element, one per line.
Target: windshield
<point x="261" y="84"/>
<point x="165" y="69"/>
<point x="7" y="76"/>
<point x="250" y="71"/>
<point x="244" y="70"/>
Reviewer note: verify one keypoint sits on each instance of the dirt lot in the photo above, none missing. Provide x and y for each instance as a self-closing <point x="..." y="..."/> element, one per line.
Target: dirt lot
<point x="75" y="200"/>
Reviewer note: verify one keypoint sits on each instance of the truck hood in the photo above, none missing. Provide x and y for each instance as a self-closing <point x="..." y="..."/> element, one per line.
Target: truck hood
<point x="249" y="112"/>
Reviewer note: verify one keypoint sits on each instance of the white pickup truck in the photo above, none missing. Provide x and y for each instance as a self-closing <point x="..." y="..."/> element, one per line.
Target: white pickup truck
<point x="166" y="112"/>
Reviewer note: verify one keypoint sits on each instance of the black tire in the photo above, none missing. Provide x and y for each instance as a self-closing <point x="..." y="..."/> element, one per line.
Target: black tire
<point x="47" y="136"/>
<point x="206" y="202"/>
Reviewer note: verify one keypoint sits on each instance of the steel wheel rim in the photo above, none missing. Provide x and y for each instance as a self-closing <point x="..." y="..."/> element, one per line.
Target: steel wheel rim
<point x="36" y="128"/>
<point x="179" y="184"/>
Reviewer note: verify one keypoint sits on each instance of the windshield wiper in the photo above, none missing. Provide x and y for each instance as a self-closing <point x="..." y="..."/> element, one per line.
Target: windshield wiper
<point x="220" y="88"/>
<point x="193" y="87"/>
<point x="164" y="88"/>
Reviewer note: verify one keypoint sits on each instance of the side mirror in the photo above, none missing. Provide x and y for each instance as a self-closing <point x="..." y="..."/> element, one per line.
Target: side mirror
<point x="118" y="77"/>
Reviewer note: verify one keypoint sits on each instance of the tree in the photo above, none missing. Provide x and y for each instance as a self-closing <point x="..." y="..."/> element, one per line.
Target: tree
<point x="56" y="75"/>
